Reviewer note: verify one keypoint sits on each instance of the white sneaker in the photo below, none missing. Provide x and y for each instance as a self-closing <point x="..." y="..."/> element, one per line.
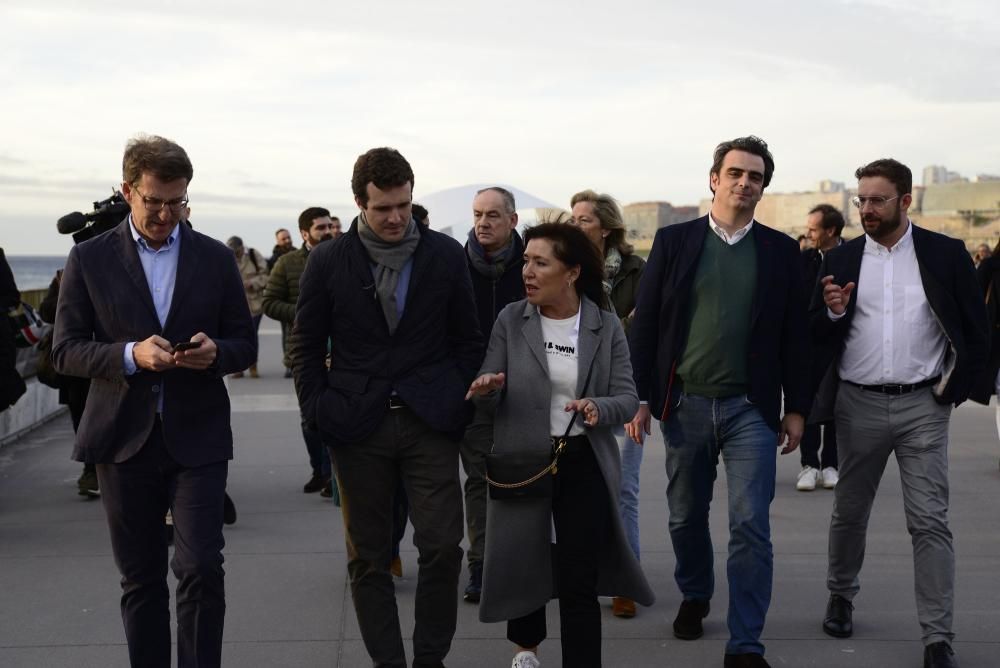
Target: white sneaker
<point x="808" y="477"/>
<point x="525" y="660"/>
<point x="830" y="477"/>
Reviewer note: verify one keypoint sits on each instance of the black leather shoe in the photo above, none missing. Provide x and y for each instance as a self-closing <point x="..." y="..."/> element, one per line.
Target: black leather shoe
<point x="939" y="655"/>
<point x="745" y="661"/>
<point x="315" y="484"/>
<point x="474" y="590"/>
<point x="228" y="511"/>
<point x="687" y="625"/>
<point x="838" y="622"/>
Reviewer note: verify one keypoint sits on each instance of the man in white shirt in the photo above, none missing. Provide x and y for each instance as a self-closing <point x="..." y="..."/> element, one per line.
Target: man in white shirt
<point x="897" y="316"/>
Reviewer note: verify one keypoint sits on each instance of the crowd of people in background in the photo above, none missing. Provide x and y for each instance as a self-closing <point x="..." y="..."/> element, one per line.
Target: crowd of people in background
<point x="538" y="361"/>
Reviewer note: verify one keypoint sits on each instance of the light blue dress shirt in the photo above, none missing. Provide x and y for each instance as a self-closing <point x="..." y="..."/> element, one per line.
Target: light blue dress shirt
<point x="160" y="267"/>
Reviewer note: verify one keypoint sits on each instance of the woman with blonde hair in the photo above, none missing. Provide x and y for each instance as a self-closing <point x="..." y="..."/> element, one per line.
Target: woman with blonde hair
<point x="600" y="218"/>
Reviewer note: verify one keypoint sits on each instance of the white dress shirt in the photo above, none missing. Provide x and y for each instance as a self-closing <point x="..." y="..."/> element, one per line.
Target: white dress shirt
<point x="722" y="234"/>
<point x="894" y="336"/>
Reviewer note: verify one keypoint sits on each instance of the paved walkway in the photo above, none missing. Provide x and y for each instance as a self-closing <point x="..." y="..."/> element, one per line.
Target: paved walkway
<point x="289" y="604"/>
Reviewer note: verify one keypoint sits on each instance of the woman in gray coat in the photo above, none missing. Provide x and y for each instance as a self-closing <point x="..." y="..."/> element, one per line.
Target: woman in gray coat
<point x="540" y="355"/>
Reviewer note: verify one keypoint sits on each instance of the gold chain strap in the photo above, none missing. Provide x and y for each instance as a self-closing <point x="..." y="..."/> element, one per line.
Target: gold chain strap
<point x="560" y="445"/>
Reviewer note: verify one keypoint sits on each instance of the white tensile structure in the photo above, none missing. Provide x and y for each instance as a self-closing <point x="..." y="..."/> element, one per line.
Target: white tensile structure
<point x="450" y="210"/>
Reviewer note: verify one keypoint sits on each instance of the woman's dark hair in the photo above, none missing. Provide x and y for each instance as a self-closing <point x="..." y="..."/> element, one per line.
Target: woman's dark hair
<point x="572" y="247"/>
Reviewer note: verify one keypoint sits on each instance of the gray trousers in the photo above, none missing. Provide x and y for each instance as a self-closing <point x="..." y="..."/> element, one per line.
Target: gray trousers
<point x="475" y="446"/>
<point x="402" y="448"/>
<point x="870" y="425"/>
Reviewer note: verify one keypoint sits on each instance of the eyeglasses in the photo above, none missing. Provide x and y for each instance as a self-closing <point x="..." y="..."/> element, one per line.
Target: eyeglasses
<point x="876" y="202"/>
<point x="155" y="205"/>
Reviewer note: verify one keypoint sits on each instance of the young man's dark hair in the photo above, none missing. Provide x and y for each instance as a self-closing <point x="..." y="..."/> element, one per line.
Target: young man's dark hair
<point x="751" y="144"/>
<point x="893" y="171"/>
<point x="382" y="167"/>
<point x="832" y="217"/>
<point x="160" y="157"/>
<point x="307" y="217"/>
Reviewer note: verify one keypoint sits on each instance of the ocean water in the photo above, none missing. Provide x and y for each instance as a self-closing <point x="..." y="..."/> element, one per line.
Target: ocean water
<point x="32" y="272"/>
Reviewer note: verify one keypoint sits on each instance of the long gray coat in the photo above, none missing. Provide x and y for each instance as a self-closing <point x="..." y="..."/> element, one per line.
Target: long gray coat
<point x="517" y="571"/>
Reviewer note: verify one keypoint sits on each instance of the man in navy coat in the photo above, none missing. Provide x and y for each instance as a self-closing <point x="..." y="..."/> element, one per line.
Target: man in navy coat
<point x="719" y="335"/>
<point x="154" y="313"/>
<point x="391" y="300"/>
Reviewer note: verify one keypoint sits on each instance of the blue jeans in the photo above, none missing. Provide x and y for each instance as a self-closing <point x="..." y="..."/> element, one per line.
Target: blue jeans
<point x="628" y="502"/>
<point x="697" y="431"/>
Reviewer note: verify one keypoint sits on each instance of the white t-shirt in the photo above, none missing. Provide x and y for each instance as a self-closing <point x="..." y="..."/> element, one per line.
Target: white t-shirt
<point x="560" y="341"/>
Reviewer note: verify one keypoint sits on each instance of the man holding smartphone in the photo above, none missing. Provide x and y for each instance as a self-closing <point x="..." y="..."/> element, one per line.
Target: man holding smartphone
<point x="154" y="313"/>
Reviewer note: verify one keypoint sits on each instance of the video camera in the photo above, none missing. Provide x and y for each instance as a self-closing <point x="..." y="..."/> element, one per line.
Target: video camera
<point x="106" y="214"/>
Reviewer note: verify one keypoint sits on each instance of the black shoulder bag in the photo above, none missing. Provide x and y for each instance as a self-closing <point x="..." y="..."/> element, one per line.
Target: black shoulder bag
<point x="528" y="475"/>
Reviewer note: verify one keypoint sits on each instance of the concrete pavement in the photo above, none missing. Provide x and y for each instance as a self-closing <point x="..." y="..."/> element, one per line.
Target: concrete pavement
<point x="289" y="605"/>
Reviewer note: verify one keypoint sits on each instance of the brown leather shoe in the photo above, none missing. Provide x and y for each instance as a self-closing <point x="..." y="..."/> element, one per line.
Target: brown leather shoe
<point x="623" y="607"/>
<point x="253" y="371"/>
<point x="396" y="567"/>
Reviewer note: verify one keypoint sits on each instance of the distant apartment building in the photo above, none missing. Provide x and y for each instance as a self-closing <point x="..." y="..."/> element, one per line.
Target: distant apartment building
<point x="643" y="219"/>
<point x="979" y="198"/>
<point x="938" y="174"/>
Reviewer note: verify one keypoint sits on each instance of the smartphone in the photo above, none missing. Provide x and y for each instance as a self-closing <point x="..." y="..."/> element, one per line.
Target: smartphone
<point x="186" y="345"/>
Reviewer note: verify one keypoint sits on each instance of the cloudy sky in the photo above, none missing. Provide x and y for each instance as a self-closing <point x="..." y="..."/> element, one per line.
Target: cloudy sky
<point x="274" y="100"/>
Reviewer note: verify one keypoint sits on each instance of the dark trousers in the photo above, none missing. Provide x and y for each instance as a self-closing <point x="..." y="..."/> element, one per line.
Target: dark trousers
<point x="475" y="445"/>
<point x="809" y="446"/>
<point x="136" y="495"/>
<point x="402" y="448"/>
<point x="319" y="457"/>
<point x="582" y="518"/>
<point x="400" y="513"/>
<point x="256" y="332"/>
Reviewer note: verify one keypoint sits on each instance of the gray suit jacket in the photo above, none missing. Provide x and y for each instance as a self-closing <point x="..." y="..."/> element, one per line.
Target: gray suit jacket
<point x="517" y="574"/>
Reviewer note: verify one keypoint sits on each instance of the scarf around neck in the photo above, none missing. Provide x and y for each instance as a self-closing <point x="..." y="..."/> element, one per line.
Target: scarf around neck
<point x="389" y="259"/>
<point x="492" y="266"/>
<point x="612" y="263"/>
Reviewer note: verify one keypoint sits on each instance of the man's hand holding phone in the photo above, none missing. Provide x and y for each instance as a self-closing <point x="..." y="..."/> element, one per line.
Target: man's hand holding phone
<point x="153" y="354"/>
<point x="198" y="353"/>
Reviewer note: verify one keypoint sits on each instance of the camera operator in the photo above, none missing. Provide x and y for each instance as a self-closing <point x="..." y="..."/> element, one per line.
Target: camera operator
<point x="72" y="390"/>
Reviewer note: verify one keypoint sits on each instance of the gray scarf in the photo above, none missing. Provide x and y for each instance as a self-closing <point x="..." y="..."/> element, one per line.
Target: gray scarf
<point x="612" y="263"/>
<point x="389" y="259"/>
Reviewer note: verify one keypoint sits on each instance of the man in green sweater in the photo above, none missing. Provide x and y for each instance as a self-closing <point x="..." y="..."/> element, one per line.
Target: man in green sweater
<point x="280" y="296"/>
<point x="718" y="338"/>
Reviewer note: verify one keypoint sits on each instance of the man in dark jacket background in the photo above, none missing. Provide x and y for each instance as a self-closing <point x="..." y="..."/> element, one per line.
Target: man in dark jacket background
<point x="495" y="254"/>
<point x="11" y="384"/>
<point x="824" y="226"/>
<point x="280" y="296"/>
<point x="394" y="301"/>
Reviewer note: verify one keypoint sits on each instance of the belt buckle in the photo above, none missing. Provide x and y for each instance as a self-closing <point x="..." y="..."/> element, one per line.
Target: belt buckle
<point x="395" y="403"/>
<point x="893" y="389"/>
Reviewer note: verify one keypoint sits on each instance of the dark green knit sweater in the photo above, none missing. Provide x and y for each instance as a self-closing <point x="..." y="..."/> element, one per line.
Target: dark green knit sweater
<point x="716" y="353"/>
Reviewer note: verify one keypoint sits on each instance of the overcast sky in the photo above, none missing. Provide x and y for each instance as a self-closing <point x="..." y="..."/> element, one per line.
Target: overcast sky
<point x="274" y="100"/>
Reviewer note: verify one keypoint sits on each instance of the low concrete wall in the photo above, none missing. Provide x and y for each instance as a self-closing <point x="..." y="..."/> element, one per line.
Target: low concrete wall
<point x="38" y="405"/>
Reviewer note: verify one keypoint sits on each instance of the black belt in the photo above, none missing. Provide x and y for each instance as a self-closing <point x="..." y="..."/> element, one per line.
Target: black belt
<point x="396" y="402"/>
<point x="896" y="389"/>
